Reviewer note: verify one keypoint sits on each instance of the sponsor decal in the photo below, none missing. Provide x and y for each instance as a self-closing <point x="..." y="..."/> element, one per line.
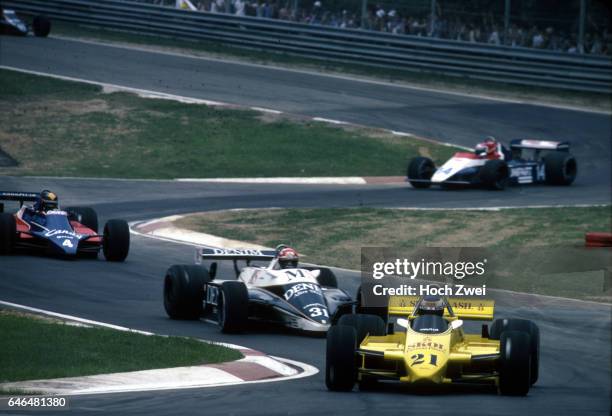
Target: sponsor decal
<point x="426" y="344"/>
<point x="300" y="289"/>
<point x="292" y="274"/>
<point x="59" y="234"/>
<point x="57" y="212"/>
<point x="237" y="252"/>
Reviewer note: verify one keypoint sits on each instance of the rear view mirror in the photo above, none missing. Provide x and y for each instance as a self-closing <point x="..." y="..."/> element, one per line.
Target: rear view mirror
<point x="402" y="322"/>
<point x="457" y="324"/>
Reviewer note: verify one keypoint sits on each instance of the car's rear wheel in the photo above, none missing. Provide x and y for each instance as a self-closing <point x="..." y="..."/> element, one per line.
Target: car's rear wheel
<point x="85" y="215"/>
<point x="364" y="325"/>
<point x="327" y="278"/>
<point x="41" y="26"/>
<point x="381" y="311"/>
<point x="420" y="169"/>
<point x="184" y="291"/>
<point x="8" y="232"/>
<point x="514" y="363"/>
<point x="116" y="240"/>
<point x="233" y="307"/>
<point x="495" y="174"/>
<point x="560" y="168"/>
<point x="501" y="325"/>
<point x="340" y="364"/>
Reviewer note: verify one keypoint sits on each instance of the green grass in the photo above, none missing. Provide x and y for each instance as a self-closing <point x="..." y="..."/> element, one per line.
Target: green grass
<point x="34" y="348"/>
<point x="266" y="57"/>
<point x="335" y="237"/>
<point x="77" y="130"/>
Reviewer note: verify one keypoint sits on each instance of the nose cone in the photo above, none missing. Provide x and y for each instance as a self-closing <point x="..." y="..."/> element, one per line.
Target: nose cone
<point x="425" y="366"/>
<point x="65" y="244"/>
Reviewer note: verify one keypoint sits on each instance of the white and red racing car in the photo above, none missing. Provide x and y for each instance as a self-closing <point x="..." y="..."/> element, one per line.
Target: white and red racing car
<point x="527" y="161"/>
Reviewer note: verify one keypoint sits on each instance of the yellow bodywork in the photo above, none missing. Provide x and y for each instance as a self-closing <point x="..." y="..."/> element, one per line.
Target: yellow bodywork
<point x="424" y="358"/>
<point x="464" y="308"/>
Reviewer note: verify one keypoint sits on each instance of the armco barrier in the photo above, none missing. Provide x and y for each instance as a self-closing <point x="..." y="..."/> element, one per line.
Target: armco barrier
<point x="522" y="66"/>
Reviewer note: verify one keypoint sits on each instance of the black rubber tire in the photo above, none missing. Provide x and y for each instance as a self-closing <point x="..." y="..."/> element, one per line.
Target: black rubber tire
<point x="421" y="168"/>
<point x="184" y="291"/>
<point x="340" y="362"/>
<point x="501" y="325"/>
<point x="560" y="168"/>
<point x="41" y="26"/>
<point x="381" y="311"/>
<point x="327" y="278"/>
<point x="8" y="232"/>
<point x="514" y="363"/>
<point x="495" y="174"/>
<point x="364" y="325"/>
<point x="233" y="308"/>
<point x="116" y="240"/>
<point x="368" y="383"/>
<point x="86" y="216"/>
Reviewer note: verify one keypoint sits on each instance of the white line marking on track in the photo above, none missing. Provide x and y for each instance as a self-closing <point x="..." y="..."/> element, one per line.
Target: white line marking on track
<point x="329" y="120"/>
<point x="266" y="110"/>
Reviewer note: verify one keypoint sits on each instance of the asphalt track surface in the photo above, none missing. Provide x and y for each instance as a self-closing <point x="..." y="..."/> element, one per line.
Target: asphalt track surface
<point x="575" y="372"/>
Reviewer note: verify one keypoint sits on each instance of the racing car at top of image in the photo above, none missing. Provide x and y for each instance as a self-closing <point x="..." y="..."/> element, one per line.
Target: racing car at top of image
<point x="493" y="166"/>
<point x="433" y="348"/>
<point x="10" y="24"/>
<point x="69" y="233"/>
<point x="302" y="298"/>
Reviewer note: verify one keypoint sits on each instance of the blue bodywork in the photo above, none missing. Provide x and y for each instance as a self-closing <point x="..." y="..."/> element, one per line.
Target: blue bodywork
<point x="53" y="230"/>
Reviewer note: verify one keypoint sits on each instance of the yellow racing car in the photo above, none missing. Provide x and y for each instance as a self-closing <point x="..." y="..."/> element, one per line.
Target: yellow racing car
<point x="433" y="348"/>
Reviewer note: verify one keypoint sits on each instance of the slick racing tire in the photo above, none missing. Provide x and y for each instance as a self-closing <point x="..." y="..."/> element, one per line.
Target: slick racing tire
<point x="116" y="240"/>
<point x="86" y="216"/>
<point x="381" y="311"/>
<point x="233" y="307"/>
<point x="495" y="174"/>
<point x="420" y="168"/>
<point x="514" y="363"/>
<point x="184" y="291"/>
<point x="8" y="231"/>
<point x="327" y="278"/>
<point x="501" y="325"/>
<point x="364" y="325"/>
<point x="560" y="168"/>
<point x="41" y="26"/>
<point x="340" y="362"/>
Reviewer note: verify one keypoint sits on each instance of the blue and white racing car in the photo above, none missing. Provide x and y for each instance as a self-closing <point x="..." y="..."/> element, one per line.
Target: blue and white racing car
<point x="527" y="161"/>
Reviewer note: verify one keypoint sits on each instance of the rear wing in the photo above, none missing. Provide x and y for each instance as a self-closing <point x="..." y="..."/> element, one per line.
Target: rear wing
<point x="539" y="145"/>
<point x="20" y="197"/>
<point x="232" y="254"/>
<point x="462" y="308"/>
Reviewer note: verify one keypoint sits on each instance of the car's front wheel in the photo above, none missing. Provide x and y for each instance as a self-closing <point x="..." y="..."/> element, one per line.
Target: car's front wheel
<point x="420" y="171"/>
<point x="116" y="240"/>
<point x="340" y="363"/>
<point x="495" y="174"/>
<point x="233" y="307"/>
<point x="8" y="232"/>
<point x="41" y="26"/>
<point x="515" y="363"/>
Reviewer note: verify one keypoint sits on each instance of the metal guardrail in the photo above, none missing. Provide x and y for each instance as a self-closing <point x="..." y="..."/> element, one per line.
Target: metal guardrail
<point x="522" y="66"/>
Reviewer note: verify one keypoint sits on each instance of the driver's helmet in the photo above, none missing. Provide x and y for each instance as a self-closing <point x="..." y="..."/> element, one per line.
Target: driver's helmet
<point x="287" y="257"/>
<point x="431" y="305"/>
<point x="487" y="148"/>
<point x="46" y="201"/>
